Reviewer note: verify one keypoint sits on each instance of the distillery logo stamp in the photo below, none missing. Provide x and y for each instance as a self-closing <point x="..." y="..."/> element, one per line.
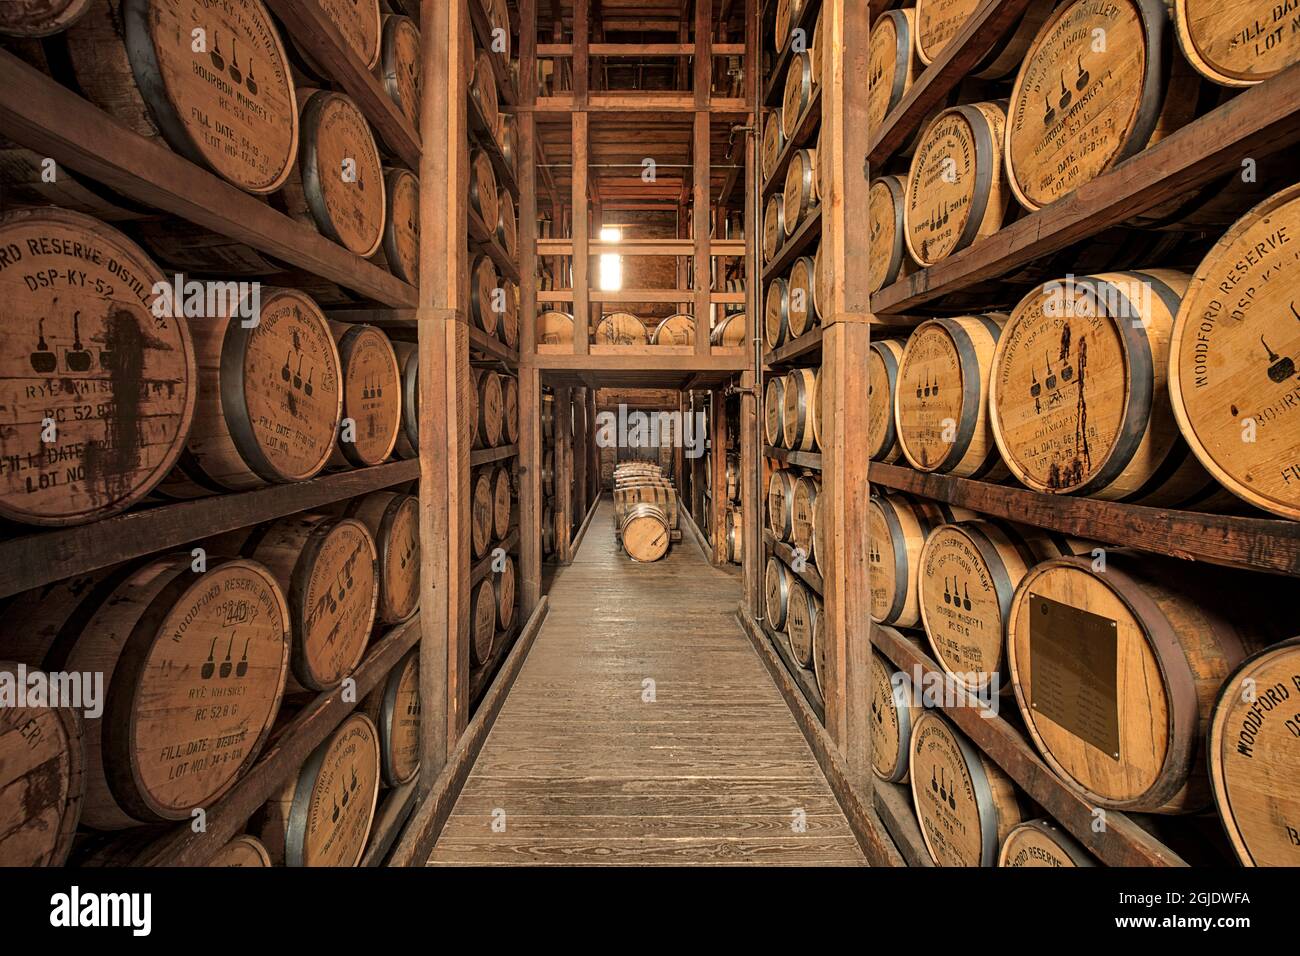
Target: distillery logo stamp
<point x="77" y="690"/>
<point x="75" y="909"/>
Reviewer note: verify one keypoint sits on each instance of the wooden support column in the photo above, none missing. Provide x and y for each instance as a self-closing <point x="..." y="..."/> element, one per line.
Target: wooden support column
<point x="753" y="215"/>
<point x="700" y="217"/>
<point x="593" y="470"/>
<point x="718" y="502"/>
<point x="581" y="455"/>
<point x="563" y="465"/>
<point x="751" y="490"/>
<point x="845" y="343"/>
<point x="581" y="236"/>
<point x="530" y="384"/>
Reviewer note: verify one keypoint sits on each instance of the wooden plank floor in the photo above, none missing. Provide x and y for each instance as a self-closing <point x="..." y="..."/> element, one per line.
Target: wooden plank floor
<point x="581" y="768"/>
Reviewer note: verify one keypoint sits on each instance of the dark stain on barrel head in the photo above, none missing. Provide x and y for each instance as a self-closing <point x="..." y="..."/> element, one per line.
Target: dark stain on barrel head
<point x="114" y="459"/>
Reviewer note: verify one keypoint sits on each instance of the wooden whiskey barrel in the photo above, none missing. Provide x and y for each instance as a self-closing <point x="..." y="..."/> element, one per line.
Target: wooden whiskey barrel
<point x="482" y="507"/>
<point x="773" y="225"/>
<point x="548" y="529"/>
<point x="1254" y="756"/>
<point x="1115" y="671"/>
<point x="399" y="65"/>
<point x="508" y="320"/>
<point x="118" y="383"/>
<point x="803" y="515"/>
<point x="892" y="65"/>
<point x="361" y="24"/>
<point x="620" y="328"/>
<point x="506" y="228"/>
<point x="510" y="409"/>
<point x="729" y="331"/>
<point x="243" y="851"/>
<point x="328" y="568"/>
<point x="735" y="536"/>
<point x="1077" y="110"/>
<point x="483" y="89"/>
<point x="338" y="186"/>
<point x="1233" y="359"/>
<point x="938" y="23"/>
<point x="372" y="395"/>
<point x="955" y="193"/>
<point x="322" y="817"/>
<point x="1042" y="843"/>
<point x="801" y="293"/>
<point x="964" y="803"/>
<point x="554" y="328"/>
<point x="502" y="502"/>
<point x="773" y="142"/>
<point x="230" y="108"/>
<point x="24" y="174"/>
<point x="780" y="504"/>
<point x="253" y="382"/>
<point x="662" y="496"/>
<point x="503" y="588"/>
<point x="886" y="200"/>
<point x="777" y="584"/>
<point x="1237" y="44"/>
<point x="491" y="409"/>
<point x="802" y="607"/>
<point x="776" y="314"/>
<point x="815" y="49"/>
<point x="1078" y="396"/>
<point x="42" y="782"/>
<point x="482" y="622"/>
<point x="483" y="189"/>
<point x="40" y="18"/>
<point x="400" y="247"/>
<point x="408" y="360"/>
<point x="548" y="472"/>
<point x="969" y="573"/>
<point x="898" y="525"/>
<point x="821" y="674"/>
<point x="394" y="708"/>
<point x="677" y="329"/>
<point x="817" y="409"/>
<point x="508" y="136"/>
<point x="797" y="93"/>
<point x="194" y="668"/>
<point x="892" y="715"/>
<point x="796" y="409"/>
<point x="774" y="412"/>
<point x="393" y="521"/>
<point x="483" y="293"/>
<point x="800" y="189"/>
<point x="644" y="532"/>
<point x="882" y="385"/>
<point x="787" y="15"/>
<point x="941" y="406"/>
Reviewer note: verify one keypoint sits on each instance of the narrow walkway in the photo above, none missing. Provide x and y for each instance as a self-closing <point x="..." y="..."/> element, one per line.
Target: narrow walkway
<point x="644" y="730"/>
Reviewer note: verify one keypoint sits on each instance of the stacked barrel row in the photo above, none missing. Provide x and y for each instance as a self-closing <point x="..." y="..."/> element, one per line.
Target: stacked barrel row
<point x="238" y="101"/>
<point x="623" y="328"/>
<point x="549" y="511"/>
<point x="1120" y="664"/>
<point x="1047" y="111"/>
<point x="494" y="492"/>
<point x="201" y="651"/>
<point x="793" y="185"/>
<point x="645" y="510"/>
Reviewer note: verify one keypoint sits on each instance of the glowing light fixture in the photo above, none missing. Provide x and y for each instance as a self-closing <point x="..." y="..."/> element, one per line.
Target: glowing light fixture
<point x="611" y="263"/>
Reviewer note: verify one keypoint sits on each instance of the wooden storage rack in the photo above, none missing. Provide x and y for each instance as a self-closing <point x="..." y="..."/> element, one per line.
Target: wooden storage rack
<point x="40" y="114"/>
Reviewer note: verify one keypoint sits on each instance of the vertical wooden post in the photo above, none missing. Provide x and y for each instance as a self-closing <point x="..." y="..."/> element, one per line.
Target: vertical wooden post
<point x="593" y="471"/>
<point x="563" y="465"/>
<point x="751" y="490"/>
<point x="435" y="563"/>
<point x="700" y="217"/>
<point x="718" y="501"/>
<point x="751" y="463"/>
<point x="581" y="429"/>
<point x="581" y="237"/>
<point x="845" y="345"/>
<point x="530" y="384"/>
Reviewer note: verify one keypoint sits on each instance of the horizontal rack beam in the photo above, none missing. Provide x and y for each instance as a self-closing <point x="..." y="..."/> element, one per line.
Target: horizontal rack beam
<point x="638" y="49"/>
<point x="43" y="556"/>
<point x="642" y="247"/>
<point x="809" y="575"/>
<point x="485" y="456"/>
<point x="649" y="296"/>
<point x="1260" y="544"/>
<point x="806" y="236"/>
<point x="492" y="346"/>
<point x="483" y="567"/>
<point x="810" y="121"/>
<point x="802" y="347"/>
<point x="776" y="86"/>
<point x="1123" y="843"/>
<point x="787" y="456"/>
